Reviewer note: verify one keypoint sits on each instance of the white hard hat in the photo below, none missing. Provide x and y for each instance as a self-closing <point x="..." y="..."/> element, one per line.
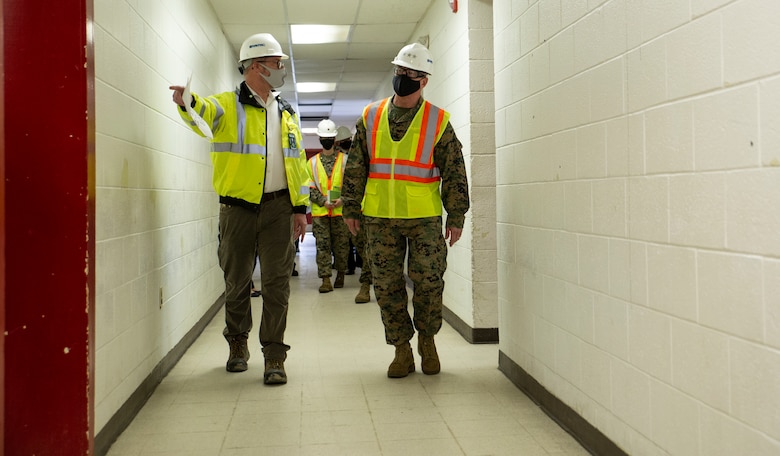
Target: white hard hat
<point x="415" y="56"/>
<point x="260" y="45"/>
<point x="326" y="129"/>
<point x="343" y="133"/>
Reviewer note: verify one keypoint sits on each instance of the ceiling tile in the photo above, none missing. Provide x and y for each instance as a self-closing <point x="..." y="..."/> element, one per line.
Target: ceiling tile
<point x="379" y="29"/>
<point x="333" y="51"/>
<point x="383" y="33"/>
<point x="393" y="11"/>
<point x="322" y="12"/>
<point x="376" y="51"/>
<point x="249" y="11"/>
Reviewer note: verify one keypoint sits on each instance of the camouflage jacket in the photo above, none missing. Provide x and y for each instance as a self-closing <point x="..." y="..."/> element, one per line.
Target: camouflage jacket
<point x="447" y="156"/>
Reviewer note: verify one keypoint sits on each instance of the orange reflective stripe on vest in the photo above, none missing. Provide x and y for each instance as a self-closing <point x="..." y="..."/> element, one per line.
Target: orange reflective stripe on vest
<point x="325" y="184"/>
<point x="403" y="181"/>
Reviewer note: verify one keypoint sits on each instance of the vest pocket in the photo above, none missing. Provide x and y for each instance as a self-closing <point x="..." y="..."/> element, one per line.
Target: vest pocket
<point x="415" y="191"/>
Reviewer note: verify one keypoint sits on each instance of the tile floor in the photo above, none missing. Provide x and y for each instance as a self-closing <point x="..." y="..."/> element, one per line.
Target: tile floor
<point x="338" y="400"/>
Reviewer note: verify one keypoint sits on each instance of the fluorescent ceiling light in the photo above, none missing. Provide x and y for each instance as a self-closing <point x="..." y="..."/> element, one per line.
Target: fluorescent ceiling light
<point x="318" y="34"/>
<point x="309" y="130"/>
<point x="313" y="87"/>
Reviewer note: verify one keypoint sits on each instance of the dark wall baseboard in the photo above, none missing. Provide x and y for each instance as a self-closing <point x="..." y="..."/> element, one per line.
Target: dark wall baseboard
<point x="125" y="415"/>
<point x="589" y="437"/>
<point x="472" y="335"/>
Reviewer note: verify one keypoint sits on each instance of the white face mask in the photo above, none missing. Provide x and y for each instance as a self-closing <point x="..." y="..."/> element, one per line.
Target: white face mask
<point x="276" y="78"/>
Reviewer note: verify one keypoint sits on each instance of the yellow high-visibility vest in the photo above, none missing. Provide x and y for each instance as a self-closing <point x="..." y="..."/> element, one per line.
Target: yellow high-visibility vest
<point x="403" y="181"/>
<point x="325" y="184"/>
<point x="238" y="149"/>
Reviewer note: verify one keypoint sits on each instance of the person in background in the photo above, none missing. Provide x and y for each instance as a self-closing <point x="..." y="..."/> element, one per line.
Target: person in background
<point x="404" y="164"/>
<point x="361" y="247"/>
<point x="343" y="139"/>
<point x="261" y="179"/>
<point x="357" y="243"/>
<point x="343" y="143"/>
<point x="326" y="170"/>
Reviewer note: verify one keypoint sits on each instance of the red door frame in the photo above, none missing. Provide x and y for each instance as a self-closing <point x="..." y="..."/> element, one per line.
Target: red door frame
<point x="2" y="241"/>
<point x="48" y="227"/>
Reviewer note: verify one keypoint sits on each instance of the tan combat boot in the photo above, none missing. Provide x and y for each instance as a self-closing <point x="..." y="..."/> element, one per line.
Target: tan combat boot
<point x="274" y="372"/>
<point x="364" y="295"/>
<point x="427" y="350"/>
<point x="339" y="280"/>
<point x="239" y="354"/>
<point x="326" y="286"/>
<point x="403" y="363"/>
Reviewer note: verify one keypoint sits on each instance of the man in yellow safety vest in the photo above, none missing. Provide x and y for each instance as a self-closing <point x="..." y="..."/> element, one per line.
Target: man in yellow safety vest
<point x="261" y="179"/>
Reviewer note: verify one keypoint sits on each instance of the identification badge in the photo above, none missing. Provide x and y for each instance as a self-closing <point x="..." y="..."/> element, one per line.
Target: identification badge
<point x="291" y="140"/>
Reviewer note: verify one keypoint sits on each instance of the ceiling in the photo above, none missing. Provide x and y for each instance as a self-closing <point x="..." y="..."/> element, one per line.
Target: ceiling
<point x="379" y="28"/>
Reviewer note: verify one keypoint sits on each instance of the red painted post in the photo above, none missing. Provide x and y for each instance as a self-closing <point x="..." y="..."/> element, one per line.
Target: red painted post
<point x="2" y="244"/>
<point x="49" y="208"/>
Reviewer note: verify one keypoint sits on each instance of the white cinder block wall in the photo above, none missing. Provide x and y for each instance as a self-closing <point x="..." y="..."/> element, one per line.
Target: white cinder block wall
<point x="462" y="83"/>
<point x="156" y="228"/>
<point x="638" y="194"/>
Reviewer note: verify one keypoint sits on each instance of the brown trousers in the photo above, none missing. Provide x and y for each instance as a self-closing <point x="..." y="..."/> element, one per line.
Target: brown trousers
<point x="267" y="234"/>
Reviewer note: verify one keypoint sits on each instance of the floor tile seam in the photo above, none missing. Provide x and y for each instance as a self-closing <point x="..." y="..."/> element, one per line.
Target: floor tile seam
<point x="371" y="415"/>
<point x="222" y="447"/>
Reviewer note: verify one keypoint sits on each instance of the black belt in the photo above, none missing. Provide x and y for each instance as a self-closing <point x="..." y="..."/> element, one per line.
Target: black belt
<point x="254" y="207"/>
<point x="273" y="195"/>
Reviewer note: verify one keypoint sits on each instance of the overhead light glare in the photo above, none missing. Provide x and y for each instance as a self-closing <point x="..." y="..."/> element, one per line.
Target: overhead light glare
<point x="309" y="130"/>
<point x="319" y="34"/>
<point x="314" y="87"/>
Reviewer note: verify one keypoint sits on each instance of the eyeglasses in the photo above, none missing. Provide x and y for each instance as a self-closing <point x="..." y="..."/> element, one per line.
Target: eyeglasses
<point x="271" y="63"/>
<point x="414" y="74"/>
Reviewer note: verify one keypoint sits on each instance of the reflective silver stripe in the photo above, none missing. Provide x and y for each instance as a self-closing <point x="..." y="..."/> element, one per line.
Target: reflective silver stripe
<point x="405" y="170"/>
<point x="291" y="153"/>
<point x="315" y="171"/>
<point x="238" y="148"/>
<point x="429" y="141"/>
<point x="373" y="111"/>
<point x="431" y="129"/>
<point x="217" y="116"/>
<point x="240" y="126"/>
<point x="381" y="169"/>
<point x="304" y="190"/>
<point x="414" y="171"/>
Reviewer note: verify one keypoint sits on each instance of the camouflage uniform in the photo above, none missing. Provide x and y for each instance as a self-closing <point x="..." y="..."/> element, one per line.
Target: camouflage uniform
<point x="331" y="233"/>
<point x="361" y="246"/>
<point x="359" y="241"/>
<point x="389" y="239"/>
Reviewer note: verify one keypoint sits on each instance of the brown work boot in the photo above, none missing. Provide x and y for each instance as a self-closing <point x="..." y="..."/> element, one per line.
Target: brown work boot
<point x="239" y="354"/>
<point x="274" y="372"/>
<point x="326" y="286"/>
<point x="364" y="295"/>
<point x="403" y="363"/>
<point x="339" y="283"/>
<point x="427" y="350"/>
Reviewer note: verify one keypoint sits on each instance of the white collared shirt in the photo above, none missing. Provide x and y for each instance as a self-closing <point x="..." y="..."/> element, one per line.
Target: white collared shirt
<point x="275" y="174"/>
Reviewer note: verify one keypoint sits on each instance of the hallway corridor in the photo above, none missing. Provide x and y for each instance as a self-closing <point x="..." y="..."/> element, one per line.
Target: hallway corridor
<point x="339" y="400"/>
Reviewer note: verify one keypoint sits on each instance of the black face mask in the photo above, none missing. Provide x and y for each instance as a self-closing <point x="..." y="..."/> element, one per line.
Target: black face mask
<point x="403" y="85"/>
<point x="346" y="144"/>
<point x="327" y="143"/>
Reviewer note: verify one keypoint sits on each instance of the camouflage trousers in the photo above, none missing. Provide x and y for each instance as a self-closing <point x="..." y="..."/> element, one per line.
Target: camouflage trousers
<point x="332" y="237"/>
<point x="359" y="241"/>
<point x="389" y="241"/>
